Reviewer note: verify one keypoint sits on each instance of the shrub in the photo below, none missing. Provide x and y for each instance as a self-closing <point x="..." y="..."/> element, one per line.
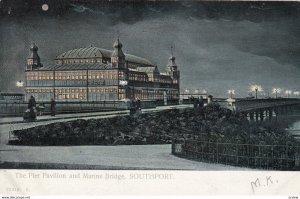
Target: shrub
<point x="211" y="123"/>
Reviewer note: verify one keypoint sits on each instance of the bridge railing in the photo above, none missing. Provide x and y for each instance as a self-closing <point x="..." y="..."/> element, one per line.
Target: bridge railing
<point x="251" y="104"/>
<point x="275" y="157"/>
<point x="18" y="108"/>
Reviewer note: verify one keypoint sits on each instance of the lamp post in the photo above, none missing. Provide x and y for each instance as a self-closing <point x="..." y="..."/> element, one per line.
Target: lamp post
<point x="267" y="93"/>
<point x="20" y="84"/>
<point x="288" y="92"/>
<point x="296" y="93"/>
<point x="197" y="91"/>
<point x="256" y="88"/>
<point x="186" y="91"/>
<point x="276" y="91"/>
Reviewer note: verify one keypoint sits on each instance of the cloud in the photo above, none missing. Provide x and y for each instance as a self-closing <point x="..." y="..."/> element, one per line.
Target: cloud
<point x="217" y="53"/>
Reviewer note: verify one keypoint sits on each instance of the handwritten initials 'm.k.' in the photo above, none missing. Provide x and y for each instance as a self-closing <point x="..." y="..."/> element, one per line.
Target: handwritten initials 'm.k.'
<point x="256" y="183"/>
<point x="268" y="178"/>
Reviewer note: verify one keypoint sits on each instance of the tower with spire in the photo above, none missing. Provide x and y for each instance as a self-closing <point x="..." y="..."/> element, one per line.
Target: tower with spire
<point x="118" y="57"/>
<point x="172" y="68"/>
<point x="33" y="61"/>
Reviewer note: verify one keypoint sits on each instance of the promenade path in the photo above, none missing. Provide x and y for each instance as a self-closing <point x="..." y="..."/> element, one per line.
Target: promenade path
<point x="13" y="120"/>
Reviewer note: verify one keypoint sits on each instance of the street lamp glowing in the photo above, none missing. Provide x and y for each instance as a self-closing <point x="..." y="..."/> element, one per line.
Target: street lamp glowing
<point x="231" y="92"/>
<point x="19" y="84"/>
<point x="256" y="88"/>
<point x="276" y="91"/>
<point x="288" y="92"/>
<point x="187" y="90"/>
<point x="296" y="93"/>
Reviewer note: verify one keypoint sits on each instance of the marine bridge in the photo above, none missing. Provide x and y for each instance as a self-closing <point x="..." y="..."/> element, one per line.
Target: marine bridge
<point x="260" y="109"/>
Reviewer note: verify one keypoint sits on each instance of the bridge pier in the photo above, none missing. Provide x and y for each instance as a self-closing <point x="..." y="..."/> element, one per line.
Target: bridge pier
<point x="266" y="109"/>
<point x="251" y="116"/>
<point x="256" y="115"/>
<point x="261" y="115"/>
<point x="267" y="112"/>
<point x="276" y="111"/>
<point x="270" y="113"/>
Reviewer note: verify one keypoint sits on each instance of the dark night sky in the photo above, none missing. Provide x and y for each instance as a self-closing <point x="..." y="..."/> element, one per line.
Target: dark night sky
<point x="218" y="45"/>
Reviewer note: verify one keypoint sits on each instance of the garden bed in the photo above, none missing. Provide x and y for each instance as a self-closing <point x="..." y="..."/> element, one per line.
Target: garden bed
<point x="211" y="123"/>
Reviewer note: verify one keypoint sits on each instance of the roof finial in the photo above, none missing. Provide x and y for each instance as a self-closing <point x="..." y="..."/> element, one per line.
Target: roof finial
<point x="118" y="34"/>
<point x="172" y="55"/>
<point x="33" y="47"/>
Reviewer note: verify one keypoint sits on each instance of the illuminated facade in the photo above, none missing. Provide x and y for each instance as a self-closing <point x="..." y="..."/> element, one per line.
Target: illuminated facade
<point x="96" y="74"/>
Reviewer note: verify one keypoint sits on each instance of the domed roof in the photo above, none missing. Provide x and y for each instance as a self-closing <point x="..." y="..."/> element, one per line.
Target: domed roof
<point x="92" y="52"/>
<point x="84" y="53"/>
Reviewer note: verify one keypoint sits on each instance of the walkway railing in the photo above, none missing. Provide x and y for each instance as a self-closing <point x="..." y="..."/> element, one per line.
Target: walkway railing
<point x="275" y="157"/>
<point x="18" y="108"/>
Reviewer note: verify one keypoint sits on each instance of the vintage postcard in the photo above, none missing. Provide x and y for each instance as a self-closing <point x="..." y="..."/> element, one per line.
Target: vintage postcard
<point x="149" y="98"/>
